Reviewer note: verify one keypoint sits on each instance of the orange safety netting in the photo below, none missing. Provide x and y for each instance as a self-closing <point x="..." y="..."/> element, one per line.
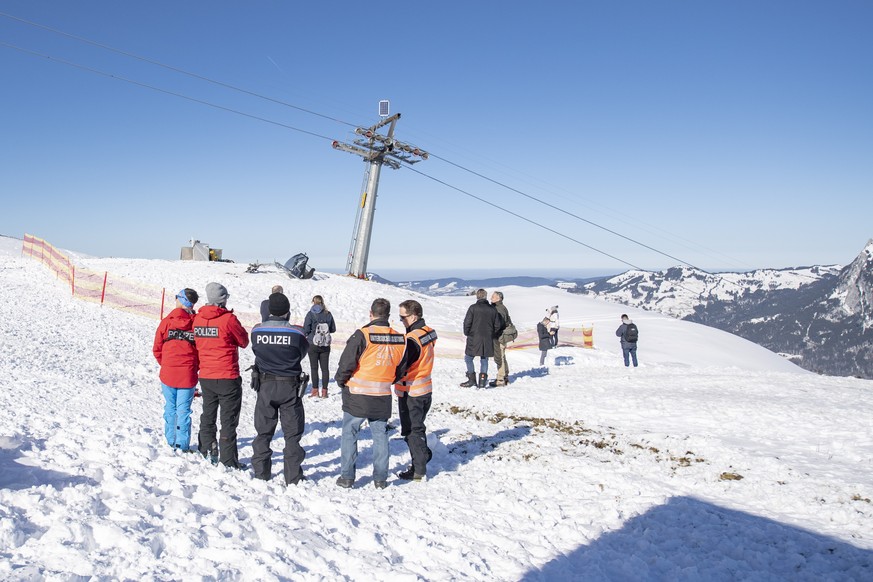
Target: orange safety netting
<point x="95" y="286"/>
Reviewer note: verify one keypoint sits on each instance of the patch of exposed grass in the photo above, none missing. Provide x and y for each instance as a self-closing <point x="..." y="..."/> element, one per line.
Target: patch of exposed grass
<point x="605" y="442"/>
<point x="726" y="476"/>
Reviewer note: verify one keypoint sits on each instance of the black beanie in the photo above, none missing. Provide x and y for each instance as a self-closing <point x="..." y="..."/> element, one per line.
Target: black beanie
<point x="279" y="304"/>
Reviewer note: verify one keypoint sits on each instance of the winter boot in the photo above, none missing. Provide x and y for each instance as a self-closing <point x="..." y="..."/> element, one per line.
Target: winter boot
<point x="324" y="392"/>
<point x="410" y="475"/>
<point x="314" y="392"/>
<point x="471" y="380"/>
<point x="483" y="380"/>
<point x="212" y="455"/>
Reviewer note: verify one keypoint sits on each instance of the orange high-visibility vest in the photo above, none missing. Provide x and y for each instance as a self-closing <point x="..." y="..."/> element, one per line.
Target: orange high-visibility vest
<point x="417" y="380"/>
<point x="378" y="364"/>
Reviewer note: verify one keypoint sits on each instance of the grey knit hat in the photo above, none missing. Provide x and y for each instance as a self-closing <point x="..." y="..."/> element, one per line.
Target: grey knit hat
<point x="216" y="294"/>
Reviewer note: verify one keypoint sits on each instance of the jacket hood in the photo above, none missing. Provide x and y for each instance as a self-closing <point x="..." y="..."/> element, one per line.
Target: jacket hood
<point x="316" y="309"/>
<point x="180" y="318"/>
<point x="213" y="311"/>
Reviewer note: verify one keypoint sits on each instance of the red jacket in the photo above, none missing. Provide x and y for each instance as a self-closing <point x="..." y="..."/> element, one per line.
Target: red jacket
<point x="175" y="351"/>
<point x="218" y="334"/>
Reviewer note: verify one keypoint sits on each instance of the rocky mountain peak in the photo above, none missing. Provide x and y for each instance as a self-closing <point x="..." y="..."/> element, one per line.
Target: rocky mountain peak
<point x="856" y="286"/>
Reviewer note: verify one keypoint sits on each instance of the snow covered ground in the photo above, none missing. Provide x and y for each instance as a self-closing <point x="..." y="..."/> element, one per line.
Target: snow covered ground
<point x="714" y="460"/>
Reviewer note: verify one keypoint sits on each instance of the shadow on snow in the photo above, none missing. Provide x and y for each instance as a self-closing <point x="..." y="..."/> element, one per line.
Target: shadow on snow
<point x="16" y="476"/>
<point x="690" y="539"/>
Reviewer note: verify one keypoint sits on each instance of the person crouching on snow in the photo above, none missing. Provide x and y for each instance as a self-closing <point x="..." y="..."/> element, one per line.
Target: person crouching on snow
<point x="176" y="353"/>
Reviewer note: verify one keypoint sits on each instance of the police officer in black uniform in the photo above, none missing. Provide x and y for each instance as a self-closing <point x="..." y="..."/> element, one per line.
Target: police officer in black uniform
<point x="279" y="347"/>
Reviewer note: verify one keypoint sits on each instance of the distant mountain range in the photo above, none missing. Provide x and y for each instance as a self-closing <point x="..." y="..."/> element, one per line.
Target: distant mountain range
<point x="458" y="286"/>
<point x="820" y="317"/>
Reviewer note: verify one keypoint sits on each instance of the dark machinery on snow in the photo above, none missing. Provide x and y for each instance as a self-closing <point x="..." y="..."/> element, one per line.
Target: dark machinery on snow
<point x="296" y="267"/>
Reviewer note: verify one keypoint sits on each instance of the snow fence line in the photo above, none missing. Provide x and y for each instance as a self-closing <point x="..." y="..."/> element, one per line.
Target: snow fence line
<point x="152" y="301"/>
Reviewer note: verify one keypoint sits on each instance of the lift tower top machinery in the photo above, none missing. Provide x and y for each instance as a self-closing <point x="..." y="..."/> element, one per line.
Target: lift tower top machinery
<point x="376" y="149"/>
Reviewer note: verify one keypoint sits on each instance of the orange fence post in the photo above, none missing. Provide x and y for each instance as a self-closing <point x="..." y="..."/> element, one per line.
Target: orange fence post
<point x="163" y="293"/>
<point x="73" y="282"/>
<point x="103" y="293"/>
<point x="588" y="337"/>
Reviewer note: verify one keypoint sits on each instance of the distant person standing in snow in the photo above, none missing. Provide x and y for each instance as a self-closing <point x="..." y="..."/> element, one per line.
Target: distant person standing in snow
<point x="629" y="334"/>
<point x="219" y="335"/>
<point x="554" y="324"/>
<point x="279" y="348"/>
<point x="507" y="336"/>
<point x="176" y="353"/>
<point x="318" y="325"/>
<point x="415" y="388"/>
<point x="373" y="360"/>
<point x="265" y="304"/>
<point x="545" y="339"/>
<point x="482" y="325"/>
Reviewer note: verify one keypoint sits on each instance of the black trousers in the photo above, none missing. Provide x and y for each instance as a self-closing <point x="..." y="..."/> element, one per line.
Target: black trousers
<point x="278" y="402"/>
<point x="319" y="357"/>
<point x="226" y="396"/>
<point x="413" y="412"/>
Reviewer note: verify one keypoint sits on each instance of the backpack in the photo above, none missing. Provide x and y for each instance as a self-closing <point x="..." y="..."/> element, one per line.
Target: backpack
<point x="632" y="334"/>
<point x="321" y="337"/>
<point x="510" y="333"/>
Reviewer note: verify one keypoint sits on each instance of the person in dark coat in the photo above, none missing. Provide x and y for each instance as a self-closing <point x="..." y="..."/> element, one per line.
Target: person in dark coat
<point x="319" y="343"/>
<point x="265" y="304"/>
<point x="545" y="338"/>
<point x="279" y="348"/>
<point x="374" y="358"/>
<point x="481" y="326"/>
<point x="628" y="340"/>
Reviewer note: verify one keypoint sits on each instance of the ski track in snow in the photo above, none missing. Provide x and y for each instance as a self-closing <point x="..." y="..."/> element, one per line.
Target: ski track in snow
<point x="589" y="472"/>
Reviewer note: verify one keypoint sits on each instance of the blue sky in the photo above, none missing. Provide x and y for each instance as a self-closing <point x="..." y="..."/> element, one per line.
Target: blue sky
<point x="728" y="135"/>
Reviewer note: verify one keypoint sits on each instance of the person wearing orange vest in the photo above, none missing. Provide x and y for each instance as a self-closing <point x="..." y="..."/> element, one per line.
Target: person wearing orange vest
<point x="374" y="358"/>
<point x="414" y="389"/>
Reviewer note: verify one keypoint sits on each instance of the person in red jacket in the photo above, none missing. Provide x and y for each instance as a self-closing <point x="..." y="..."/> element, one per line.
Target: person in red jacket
<point x="176" y="353"/>
<point x="219" y="335"/>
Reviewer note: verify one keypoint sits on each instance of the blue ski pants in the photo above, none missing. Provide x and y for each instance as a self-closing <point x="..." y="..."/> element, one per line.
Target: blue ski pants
<point x="177" y="416"/>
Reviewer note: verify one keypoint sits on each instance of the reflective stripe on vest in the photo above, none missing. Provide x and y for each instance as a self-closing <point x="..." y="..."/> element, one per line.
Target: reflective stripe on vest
<point x="378" y="363"/>
<point x="417" y="380"/>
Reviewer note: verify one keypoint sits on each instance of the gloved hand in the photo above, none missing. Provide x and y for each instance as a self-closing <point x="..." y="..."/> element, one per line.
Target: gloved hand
<point x="256" y="377"/>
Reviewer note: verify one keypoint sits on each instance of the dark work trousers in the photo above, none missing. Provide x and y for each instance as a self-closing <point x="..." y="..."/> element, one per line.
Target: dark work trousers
<point x="278" y="402"/>
<point x="412" y="412"/>
<point x="319" y="356"/>
<point x="226" y="396"/>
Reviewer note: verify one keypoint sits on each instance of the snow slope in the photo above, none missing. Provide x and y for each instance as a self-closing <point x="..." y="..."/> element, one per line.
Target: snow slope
<point x="715" y="460"/>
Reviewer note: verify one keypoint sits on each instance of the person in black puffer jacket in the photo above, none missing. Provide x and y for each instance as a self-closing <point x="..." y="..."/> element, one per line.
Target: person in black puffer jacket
<point x="319" y="343"/>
